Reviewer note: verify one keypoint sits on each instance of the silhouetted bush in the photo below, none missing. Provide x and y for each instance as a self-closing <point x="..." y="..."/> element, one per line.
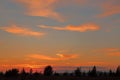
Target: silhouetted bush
<point x="111" y="73"/>
<point x="1" y="74"/>
<point x="77" y="72"/>
<point x="48" y="71"/>
<point x="84" y="74"/>
<point x="12" y="73"/>
<point x="93" y="72"/>
<point x="65" y="74"/>
<point x="71" y="74"/>
<point x="56" y="74"/>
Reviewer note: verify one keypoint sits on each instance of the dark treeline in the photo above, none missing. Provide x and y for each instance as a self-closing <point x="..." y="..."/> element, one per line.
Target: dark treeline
<point x="49" y="74"/>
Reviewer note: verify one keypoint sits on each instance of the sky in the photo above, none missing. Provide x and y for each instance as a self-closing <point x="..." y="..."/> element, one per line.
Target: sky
<point x="61" y="33"/>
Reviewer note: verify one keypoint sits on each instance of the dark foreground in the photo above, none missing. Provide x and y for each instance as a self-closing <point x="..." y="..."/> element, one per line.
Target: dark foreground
<point x="49" y="74"/>
<point x="61" y="78"/>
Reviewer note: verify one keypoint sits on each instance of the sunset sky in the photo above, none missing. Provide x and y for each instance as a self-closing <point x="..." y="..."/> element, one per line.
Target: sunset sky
<point x="61" y="33"/>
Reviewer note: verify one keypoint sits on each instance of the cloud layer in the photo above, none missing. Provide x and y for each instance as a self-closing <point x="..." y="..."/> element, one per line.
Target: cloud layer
<point x="110" y="51"/>
<point x="80" y="28"/>
<point x="110" y="8"/>
<point x="19" y="30"/>
<point x="59" y="57"/>
<point x="44" y="8"/>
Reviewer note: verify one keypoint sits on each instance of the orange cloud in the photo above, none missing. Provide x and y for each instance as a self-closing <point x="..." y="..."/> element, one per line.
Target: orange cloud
<point x="42" y="57"/>
<point x="80" y="28"/>
<point x="110" y="8"/>
<point x="14" y="29"/>
<point x="60" y="57"/>
<point x="44" y="8"/>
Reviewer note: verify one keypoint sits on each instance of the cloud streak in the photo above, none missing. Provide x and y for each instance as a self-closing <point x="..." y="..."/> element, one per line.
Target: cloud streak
<point x="59" y="57"/>
<point x="110" y="8"/>
<point x="20" y="30"/>
<point x="44" y="8"/>
<point x="80" y="28"/>
<point x="107" y="50"/>
<point x="110" y="51"/>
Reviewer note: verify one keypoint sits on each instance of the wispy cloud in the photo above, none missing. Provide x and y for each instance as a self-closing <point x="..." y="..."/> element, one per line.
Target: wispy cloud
<point x="110" y="8"/>
<point x="44" y="8"/>
<point x="80" y="28"/>
<point x="109" y="51"/>
<point x="59" y="57"/>
<point x="20" y="30"/>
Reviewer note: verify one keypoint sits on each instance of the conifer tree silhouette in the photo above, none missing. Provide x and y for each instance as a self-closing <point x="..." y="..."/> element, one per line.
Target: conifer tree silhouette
<point x="93" y="72"/>
<point x="23" y="74"/>
<point x="111" y="72"/>
<point x="118" y="71"/>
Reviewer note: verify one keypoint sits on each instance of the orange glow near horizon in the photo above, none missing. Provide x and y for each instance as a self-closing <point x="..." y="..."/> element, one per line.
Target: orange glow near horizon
<point x="32" y="61"/>
<point x="40" y="68"/>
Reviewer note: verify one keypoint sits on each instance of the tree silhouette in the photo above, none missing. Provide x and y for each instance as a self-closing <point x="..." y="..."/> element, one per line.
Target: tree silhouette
<point x="23" y="74"/>
<point x="66" y="74"/>
<point x="31" y="71"/>
<point x="111" y="73"/>
<point x="1" y="74"/>
<point x="93" y="72"/>
<point x="12" y="73"/>
<point x="48" y="71"/>
<point x="118" y="71"/>
<point x="77" y="72"/>
<point x="56" y="74"/>
<point x="36" y="74"/>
